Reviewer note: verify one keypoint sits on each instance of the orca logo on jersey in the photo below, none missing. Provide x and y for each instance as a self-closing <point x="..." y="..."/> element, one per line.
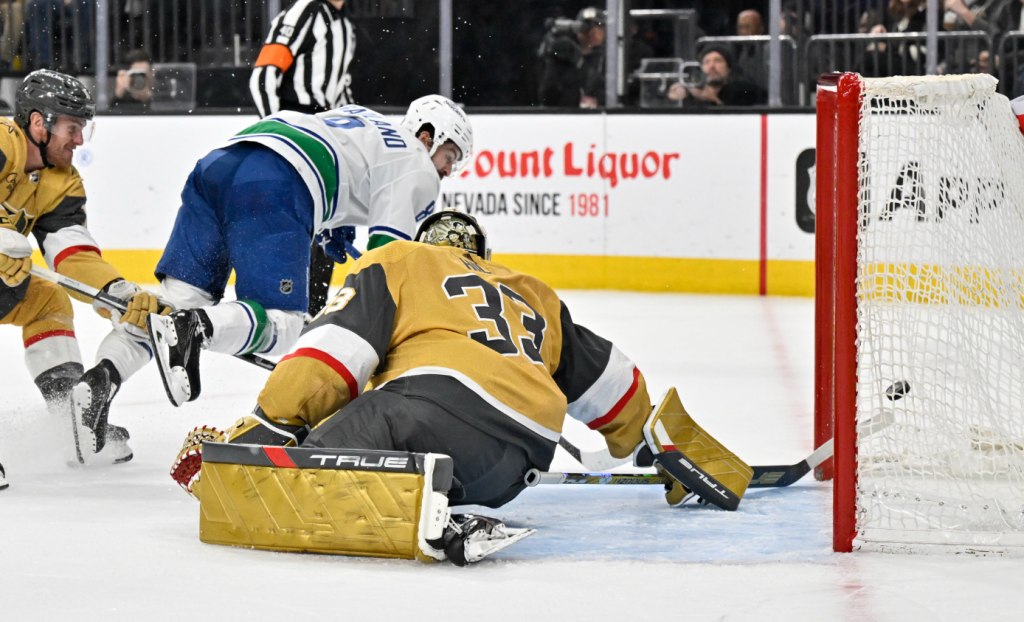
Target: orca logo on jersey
<point x="390" y="462"/>
<point x="426" y="212"/>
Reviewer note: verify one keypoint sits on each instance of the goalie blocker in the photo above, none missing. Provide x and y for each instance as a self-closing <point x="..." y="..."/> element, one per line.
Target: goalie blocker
<point x="341" y="501"/>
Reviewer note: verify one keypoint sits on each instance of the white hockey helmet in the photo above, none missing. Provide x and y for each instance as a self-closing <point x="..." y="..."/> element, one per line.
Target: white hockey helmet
<point x="449" y="123"/>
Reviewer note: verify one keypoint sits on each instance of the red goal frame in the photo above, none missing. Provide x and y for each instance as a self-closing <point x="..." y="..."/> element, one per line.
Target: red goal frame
<point x="835" y="333"/>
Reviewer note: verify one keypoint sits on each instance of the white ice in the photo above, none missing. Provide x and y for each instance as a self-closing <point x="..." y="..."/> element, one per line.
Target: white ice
<point x="121" y="542"/>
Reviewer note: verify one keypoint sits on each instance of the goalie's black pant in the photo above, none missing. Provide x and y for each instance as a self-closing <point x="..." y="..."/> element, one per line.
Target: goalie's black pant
<point x="490" y="469"/>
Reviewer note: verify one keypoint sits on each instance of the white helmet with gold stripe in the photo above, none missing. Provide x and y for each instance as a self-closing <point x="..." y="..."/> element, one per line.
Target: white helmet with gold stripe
<point x="448" y="121"/>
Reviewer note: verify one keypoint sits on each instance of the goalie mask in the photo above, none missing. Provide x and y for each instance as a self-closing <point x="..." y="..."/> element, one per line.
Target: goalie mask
<point x="454" y="229"/>
<point x="449" y="123"/>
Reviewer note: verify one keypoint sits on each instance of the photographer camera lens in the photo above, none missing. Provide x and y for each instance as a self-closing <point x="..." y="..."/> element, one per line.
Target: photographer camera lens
<point x="137" y="79"/>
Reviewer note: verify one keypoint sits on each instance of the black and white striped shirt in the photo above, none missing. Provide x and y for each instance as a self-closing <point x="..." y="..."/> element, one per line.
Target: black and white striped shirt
<point x="304" y="62"/>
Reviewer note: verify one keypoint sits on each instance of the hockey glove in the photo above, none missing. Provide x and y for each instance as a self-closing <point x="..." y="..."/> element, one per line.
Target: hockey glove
<point x="15" y="260"/>
<point x="333" y="242"/>
<point x="187" y="465"/>
<point x="140" y="304"/>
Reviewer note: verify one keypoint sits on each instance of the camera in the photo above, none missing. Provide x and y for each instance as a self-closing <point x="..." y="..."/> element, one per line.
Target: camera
<point x="137" y="79"/>
<point x="562" y="26"/>
<point x="691" y="74"/>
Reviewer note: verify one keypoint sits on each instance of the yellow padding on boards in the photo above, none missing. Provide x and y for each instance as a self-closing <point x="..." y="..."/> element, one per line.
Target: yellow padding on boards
<point x="965" y="286"/>
<point x="364" y="513"/>
<point x="699" y="446"/>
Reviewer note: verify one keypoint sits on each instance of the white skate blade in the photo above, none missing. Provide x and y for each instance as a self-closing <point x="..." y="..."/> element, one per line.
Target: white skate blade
<point x="163" y="336"/>
<point x="479" y="549"/>
<point x="177" y="385"/>
<point x="85" y="438"/>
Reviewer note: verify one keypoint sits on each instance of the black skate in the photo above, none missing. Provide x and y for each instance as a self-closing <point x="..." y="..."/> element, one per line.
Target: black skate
<point x="3" y="478"/>
<point x="468" y="538"/>
<point x="91" y="406"/>
<point x="177" y="339"/>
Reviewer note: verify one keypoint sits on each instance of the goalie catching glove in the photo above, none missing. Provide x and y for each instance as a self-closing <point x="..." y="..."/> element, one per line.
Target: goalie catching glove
<point x="186" y="467"/>
<point x="697" y="464"/>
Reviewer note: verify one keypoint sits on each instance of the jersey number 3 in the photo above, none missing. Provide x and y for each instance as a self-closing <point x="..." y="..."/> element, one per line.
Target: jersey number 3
<point x="493" y="310"/>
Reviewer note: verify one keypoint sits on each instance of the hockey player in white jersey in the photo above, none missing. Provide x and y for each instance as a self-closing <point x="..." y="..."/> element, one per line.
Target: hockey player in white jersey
<point x="255" y="205"/>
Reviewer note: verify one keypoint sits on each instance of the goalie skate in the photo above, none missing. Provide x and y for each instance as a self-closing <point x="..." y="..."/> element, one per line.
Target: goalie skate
<point x="177" y="340"/>
<point x="468" y="538"/>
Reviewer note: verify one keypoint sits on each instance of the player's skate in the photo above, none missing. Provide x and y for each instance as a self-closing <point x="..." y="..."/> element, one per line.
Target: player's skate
<point x="469" y="538"/>
<point x="177" y="340"/>
<point x="696" y="462"/>
<point x="98" y="441"/>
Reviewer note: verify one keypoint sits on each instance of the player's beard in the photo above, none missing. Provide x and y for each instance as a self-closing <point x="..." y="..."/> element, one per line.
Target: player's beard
<point x="61" y="155"/>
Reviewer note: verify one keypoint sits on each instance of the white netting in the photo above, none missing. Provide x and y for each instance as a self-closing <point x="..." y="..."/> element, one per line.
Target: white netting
<point x="941" y="306"/>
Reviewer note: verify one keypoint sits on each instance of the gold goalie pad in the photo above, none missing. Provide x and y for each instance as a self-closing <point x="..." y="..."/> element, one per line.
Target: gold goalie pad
<point x="342" y="501"/>
<point x="670" y="427"/>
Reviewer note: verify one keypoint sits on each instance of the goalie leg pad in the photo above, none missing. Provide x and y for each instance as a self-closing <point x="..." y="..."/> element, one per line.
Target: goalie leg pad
<point x="681" y="444"/>
<point x="347" y="502"/>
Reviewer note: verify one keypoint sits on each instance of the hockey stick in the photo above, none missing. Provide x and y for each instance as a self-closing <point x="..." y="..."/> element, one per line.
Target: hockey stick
<point x="775" y="476"/>
<point x="764" y="476"/>
<point x="121" y="306"/>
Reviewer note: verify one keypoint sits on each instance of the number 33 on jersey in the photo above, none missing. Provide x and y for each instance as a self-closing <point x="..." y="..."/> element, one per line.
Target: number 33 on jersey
<point x="410" y="309"/>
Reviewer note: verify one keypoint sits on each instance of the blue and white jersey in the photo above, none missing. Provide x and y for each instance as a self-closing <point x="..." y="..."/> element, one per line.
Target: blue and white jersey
<point x="360" y="168"/>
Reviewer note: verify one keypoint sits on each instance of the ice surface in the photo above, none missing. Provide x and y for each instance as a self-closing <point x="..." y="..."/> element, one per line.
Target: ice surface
<point x="121" y="543"/>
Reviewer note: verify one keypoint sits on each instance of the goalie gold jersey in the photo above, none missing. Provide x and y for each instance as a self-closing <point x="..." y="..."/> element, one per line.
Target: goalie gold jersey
<point x="414" y="312"/>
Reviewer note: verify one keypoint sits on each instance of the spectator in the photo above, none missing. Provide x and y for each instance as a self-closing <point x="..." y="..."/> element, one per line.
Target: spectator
<point x="749" y="24"/>
<point x="998" y="17"/>
<point x="720" y="86"/>
<point x="561" y="82"/>
<point x="868" y="20"/>
<point x="591" y="38"/>
<point x="750" y="61"/>
<point x="134" y="88"/>
<point x="907" y="58"/>
<point x="299" y="69"/>
<point x="574" y="65"/>
<point x="57" y="34"/>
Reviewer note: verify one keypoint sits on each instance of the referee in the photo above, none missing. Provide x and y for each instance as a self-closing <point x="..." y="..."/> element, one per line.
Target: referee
<point x="303" y="66"/>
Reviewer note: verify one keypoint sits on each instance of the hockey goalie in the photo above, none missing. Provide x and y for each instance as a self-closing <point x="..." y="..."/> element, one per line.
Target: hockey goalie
<point x="434" y="377"/>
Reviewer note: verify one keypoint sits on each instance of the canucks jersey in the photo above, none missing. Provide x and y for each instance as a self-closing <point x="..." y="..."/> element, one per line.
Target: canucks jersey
<point x="50" y="204"/>
<point x="359" y="168"/>
<point x="413" y="311"/>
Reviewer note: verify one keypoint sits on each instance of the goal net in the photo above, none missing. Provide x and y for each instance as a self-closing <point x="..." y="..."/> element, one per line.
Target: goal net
<point x="927" y="262"/>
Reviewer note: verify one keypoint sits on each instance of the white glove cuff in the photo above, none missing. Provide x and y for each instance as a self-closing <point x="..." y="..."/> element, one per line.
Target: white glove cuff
<point x="13" y="244"/>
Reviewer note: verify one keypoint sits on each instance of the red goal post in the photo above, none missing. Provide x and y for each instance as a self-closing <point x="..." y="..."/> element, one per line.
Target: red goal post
<point x="838" y="110"/>
<point x="919" y="256"/>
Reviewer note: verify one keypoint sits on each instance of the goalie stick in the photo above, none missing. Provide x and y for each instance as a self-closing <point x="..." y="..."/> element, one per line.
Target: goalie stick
<point x="121" y="306"/>
<point x="772" y="476"/>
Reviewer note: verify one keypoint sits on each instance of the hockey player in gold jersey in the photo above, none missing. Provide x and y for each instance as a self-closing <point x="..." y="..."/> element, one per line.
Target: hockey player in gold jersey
<point x="469" y="359"/>
<point x="42" y="194"/>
